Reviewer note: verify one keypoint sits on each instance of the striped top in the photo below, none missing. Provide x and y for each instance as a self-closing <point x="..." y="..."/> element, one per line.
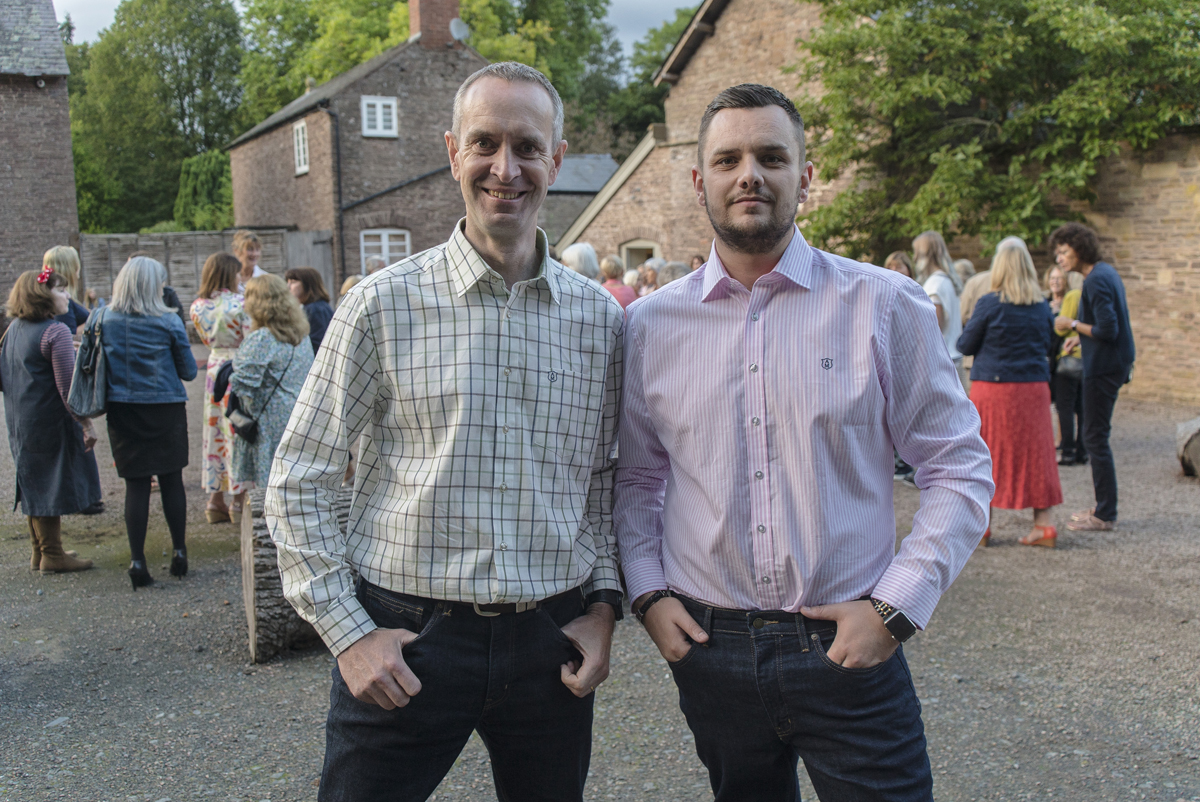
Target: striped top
<point x="491" y="421"/>
<point x="756" y="440"/>
<point x="58" y="348"/>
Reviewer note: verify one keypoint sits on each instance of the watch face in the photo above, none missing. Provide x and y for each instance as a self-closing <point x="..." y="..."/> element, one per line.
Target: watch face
<point x="901" y="628"/>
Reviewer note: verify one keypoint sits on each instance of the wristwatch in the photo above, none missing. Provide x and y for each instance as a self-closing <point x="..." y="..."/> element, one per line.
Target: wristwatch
<point x="1074" y="324"/>
<point x="609" y="597"/>
<point x="650" y="601"/>
<point x="896" y="622"/>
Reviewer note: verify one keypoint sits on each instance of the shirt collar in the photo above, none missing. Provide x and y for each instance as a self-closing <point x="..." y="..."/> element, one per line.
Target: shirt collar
<point x="795" y="265"/>
<point x="467" y="267"/>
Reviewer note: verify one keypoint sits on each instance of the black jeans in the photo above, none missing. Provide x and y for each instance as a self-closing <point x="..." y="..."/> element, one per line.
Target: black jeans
<point x="1099" y="397"/>
<point x="1068" y="400"/>
<point x="497" y="675"/>
<point x="762" y="693"/>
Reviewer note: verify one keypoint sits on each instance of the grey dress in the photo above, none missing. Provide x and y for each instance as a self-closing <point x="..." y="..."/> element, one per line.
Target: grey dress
<point x="258" y="366"/>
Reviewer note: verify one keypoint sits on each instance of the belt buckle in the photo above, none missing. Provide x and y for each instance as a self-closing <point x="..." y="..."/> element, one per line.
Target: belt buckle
<point x="483" y="613"/>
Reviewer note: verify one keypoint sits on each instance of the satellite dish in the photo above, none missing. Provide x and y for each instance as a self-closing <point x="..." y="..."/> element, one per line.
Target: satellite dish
<point x="459" y="30"/>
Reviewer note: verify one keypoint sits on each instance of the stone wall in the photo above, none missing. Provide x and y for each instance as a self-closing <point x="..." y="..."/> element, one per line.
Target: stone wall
<point x="37" y="174"/>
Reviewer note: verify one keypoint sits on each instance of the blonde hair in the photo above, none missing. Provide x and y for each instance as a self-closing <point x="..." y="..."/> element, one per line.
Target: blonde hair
<point x="1013" y="276"/>
<point x="243" y="237"/>
<point x="899" y="258"/>
<point x="931" y="255"/>
<point x="64" y="260"/>
<point x="350" y="281"/>
<point x="272" y="306"/>
<point x="611" y="267"/>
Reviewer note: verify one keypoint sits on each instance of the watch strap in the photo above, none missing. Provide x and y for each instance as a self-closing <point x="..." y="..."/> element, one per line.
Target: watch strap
<point x="609" y="597"/>
<point x="653" y="599"/>
<point x="898" y="624"/>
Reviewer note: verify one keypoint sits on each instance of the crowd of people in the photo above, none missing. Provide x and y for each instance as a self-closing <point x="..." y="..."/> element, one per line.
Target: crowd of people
<point x="261" y="331"/>
<point x="1029" y="343"/>
<point x="626" y="284"/>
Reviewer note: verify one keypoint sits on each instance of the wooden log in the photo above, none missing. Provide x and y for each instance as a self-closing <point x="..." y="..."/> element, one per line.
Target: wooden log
<point x="272" y="623"/>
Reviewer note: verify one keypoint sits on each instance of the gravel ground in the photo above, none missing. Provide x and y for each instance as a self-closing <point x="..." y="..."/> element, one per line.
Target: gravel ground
<point x="1068" y="674"/>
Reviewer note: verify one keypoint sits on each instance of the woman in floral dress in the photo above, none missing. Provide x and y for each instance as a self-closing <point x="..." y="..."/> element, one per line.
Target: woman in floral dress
<point x="222" y="323"/>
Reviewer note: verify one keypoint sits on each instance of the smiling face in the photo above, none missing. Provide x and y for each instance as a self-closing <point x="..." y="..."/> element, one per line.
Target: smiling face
<point x="752" y="177"/>
<point x="249" y="255"/>
<point x="504" y="157"/>
<point x="1057" y="281"/>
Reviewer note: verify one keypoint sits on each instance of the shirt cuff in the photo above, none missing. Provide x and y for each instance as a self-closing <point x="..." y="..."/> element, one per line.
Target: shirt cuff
<point x="343" y="624"/>
<point x="644" y="576"/>
<point x="909" y="593"/>
<point x="605" y="576"/>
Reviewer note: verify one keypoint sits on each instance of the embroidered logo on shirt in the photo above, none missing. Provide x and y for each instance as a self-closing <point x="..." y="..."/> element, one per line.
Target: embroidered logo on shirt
<point x="552" y="376"/>
<point x="827" y="363"/>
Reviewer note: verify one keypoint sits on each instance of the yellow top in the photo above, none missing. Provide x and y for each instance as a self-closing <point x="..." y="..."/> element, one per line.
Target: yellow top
<point x="1070" y="308"/>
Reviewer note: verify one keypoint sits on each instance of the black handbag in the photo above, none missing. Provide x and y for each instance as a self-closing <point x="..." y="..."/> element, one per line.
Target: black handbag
<point x="88" y="397"/>
<point x="245" y="426"/>
<point x="1070" y="367"/>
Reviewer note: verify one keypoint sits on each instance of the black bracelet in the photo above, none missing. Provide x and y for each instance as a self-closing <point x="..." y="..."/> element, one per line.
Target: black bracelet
<point x="654" y="598"/>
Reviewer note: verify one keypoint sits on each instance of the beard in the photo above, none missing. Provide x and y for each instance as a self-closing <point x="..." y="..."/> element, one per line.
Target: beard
<point x="756" y="235"/>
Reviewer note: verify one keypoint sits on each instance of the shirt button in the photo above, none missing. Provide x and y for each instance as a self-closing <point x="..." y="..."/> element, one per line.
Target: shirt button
<point x="766" y="580"/>
<point x="754" y="317"/>
<point x="758" y="474"/>
<point x="506" y="430"/>
<point x="503" y="488"/>
<point x="503" y="547"/>
<point x="761" y="528"/>
<point x="755" y="421"/>
<point x="754" y="368"/>
<point x="507" y="371"/>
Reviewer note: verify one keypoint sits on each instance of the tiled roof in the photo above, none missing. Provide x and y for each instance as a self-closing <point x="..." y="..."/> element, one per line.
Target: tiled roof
<point x="29" y="40"/>
<point x="320" y="94"/>
<point x="584" y="172"/>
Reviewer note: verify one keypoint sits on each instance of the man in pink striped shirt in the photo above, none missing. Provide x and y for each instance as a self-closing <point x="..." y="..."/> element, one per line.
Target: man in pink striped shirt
<point x="763" y="396"/>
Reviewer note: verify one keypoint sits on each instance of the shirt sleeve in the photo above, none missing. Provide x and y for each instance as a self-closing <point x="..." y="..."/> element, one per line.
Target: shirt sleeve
<point x="249" y="371"/>
<point x="58" y="347"/>
<point x="642" y="473"/>
<point x="337" y="401"/>
<point x="936" y="429"/>
<point x="598" y="514"/>
<point x="181" y="349"/>
<point x="1104" y="310"/>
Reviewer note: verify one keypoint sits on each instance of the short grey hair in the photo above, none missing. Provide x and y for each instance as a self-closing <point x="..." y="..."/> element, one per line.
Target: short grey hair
<point x="581" y="257"/>
<point x="138" y="289"/>
<point x="670" y="272"/>
<point x="514" y="73"/>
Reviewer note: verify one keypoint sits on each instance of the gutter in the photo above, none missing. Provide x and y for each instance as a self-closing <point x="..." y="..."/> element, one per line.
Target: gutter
<point x="347" y="207"/>
<point x="337" y="154"/>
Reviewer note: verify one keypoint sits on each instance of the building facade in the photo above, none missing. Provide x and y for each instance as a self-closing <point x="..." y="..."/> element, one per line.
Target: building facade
<point x="37" y="173"/>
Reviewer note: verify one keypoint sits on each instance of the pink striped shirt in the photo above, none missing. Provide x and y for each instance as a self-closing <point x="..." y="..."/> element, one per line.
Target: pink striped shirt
<point x="756" y="439"/>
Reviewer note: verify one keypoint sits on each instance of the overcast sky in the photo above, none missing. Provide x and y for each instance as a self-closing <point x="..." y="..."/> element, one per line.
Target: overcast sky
<point x="632" y="18"/>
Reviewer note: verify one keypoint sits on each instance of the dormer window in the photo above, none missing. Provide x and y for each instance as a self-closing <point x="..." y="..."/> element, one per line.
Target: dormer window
<point x="300" y="146"/>
<point x="379" y="116"/>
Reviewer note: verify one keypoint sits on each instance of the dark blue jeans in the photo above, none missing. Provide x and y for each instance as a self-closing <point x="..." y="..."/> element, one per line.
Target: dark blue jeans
<point x="762" y="693"/>
<point x="1099" y="397"/>
<point x="498" y="675"/>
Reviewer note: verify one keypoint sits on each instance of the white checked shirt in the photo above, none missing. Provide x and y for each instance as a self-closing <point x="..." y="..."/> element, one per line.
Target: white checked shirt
<point x="491" y="419"/>
<point x="756" y="440"/>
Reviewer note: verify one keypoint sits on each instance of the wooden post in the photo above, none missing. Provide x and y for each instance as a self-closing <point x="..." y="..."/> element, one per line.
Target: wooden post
<point x="272" y="623"/>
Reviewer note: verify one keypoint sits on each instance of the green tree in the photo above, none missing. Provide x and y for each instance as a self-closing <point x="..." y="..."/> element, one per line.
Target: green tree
<point x="277" y="34"/>
<point x="979" y="118"/>
<point x="205" y="199"/>
<point x="159" y="85"/>
<point x="639" y="103"/>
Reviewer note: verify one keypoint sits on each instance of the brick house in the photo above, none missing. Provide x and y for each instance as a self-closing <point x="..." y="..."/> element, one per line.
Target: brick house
<point x="363" y="155"/>
<point x="1147" y="211"/>
<point x="37" y="172"/>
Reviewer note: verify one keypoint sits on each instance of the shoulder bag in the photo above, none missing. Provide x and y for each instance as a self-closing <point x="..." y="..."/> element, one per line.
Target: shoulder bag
<point x="88" y="397"/>
<point x="245" y="426"/>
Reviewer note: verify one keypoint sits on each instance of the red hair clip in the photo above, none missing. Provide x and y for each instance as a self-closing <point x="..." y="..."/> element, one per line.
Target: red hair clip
<point x="44" y="276"/>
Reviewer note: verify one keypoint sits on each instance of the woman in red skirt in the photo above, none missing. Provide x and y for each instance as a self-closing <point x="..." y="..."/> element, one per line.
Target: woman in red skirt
<point x="1010" y="334"/>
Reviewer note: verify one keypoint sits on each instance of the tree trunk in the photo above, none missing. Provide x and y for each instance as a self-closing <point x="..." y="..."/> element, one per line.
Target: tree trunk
<point x="272" y="622"/>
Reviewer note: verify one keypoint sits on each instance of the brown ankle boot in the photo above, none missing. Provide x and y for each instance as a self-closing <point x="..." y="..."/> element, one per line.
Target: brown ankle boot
<point x="54" y="559"/>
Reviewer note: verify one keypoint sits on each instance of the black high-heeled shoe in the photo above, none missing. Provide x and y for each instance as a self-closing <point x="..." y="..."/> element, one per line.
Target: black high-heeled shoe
<point x="139" y="575"/>
<point x="179" y="563"/>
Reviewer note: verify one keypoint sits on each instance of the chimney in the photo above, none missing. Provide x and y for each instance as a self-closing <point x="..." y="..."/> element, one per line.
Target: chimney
<point x="430" y="19"/>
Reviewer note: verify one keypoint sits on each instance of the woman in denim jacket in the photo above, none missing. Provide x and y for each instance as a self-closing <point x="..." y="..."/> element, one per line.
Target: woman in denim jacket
<point x="148" y="353"/>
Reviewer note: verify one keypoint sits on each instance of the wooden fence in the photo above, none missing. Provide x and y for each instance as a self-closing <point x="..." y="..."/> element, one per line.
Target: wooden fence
<point x="183" y="255"/>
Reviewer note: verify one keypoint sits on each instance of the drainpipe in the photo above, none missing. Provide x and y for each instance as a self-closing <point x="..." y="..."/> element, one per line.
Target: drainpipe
<point x="337" y="156"/>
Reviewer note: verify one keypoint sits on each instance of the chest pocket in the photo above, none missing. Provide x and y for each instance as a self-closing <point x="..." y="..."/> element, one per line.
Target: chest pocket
<point x="837" y="386"/>
<point x="566" y="408"/>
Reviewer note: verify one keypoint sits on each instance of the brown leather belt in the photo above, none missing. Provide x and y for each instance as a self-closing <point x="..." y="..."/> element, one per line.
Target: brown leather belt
<point x="508" y="608"/>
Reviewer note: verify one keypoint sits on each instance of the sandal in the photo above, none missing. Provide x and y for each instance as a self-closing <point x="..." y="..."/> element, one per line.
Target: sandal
<point x="1091" y="524"/>
<point x="1083" y="515"/>
<point x="235" y="513"/>
<point x="1041" y="536"/>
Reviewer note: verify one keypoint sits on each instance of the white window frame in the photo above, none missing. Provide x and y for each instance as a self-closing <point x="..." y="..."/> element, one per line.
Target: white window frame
<point x="641" y="245"/>
<point x="300" y="146"/>
<point x="394" y="244"/>
<point x="383" y="108"/>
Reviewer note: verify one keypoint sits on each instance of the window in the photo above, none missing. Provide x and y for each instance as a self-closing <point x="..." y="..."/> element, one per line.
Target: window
<point x="637" y="251"/>
<point x="300" y="146"/>
<point x="393" y="244"/>
<point x="378" y="116"/>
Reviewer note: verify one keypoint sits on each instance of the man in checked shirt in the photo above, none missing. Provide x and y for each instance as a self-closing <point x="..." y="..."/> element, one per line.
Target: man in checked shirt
<point x="486" y="377"/>
<point x="763" y="396"/>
